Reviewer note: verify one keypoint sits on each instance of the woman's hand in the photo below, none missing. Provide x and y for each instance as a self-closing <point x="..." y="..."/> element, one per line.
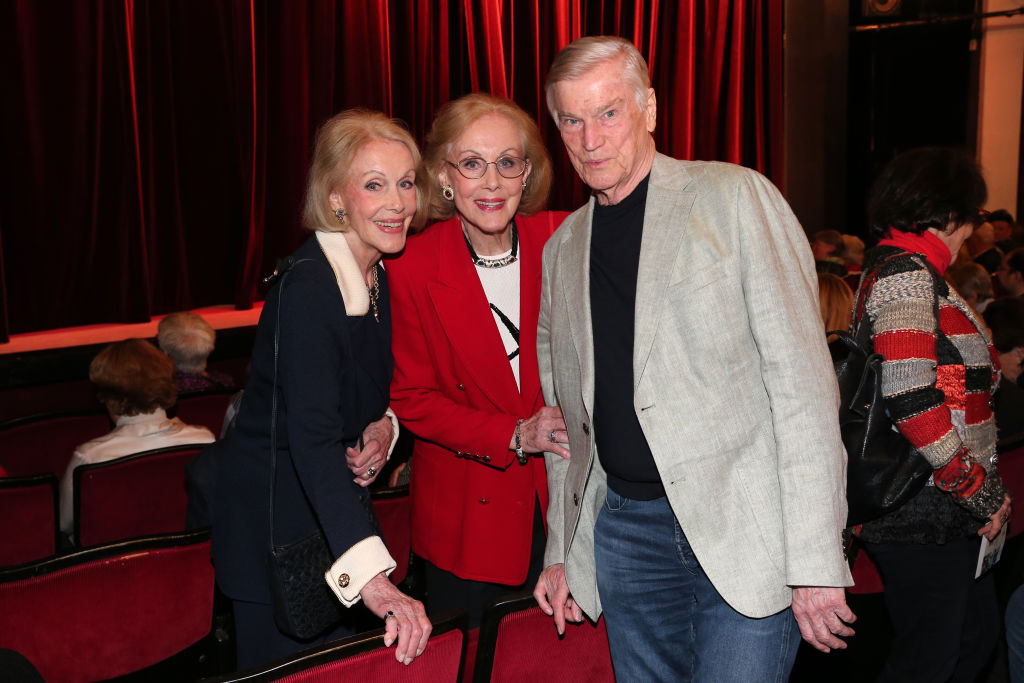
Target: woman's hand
<point x="366" y="463"/>
<point x="998" y="519"/>
<point x="404" y="618"/>
<point x="545" y="431"/>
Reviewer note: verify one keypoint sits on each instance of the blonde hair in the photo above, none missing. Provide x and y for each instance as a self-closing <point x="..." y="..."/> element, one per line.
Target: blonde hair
<point x="338" y="142"/>
<point x="836" y="301"/>
<point x="452" y="121"/>
<point x="583" y="54"/>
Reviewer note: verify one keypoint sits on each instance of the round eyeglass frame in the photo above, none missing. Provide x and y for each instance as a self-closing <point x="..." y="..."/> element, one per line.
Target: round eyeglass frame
<point x="483" y="170"/>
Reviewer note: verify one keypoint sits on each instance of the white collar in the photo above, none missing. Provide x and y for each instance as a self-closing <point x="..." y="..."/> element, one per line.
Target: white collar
<point x="157" y="415"/>
<point x="346" y="270"/>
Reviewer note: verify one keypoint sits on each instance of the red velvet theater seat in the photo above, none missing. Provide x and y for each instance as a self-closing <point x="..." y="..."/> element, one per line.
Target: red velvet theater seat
<point x="28" y="518"/>
<point x="364" y="658"/>
<point x="110" y="610"/>
<point x="519" y="643"/>
<point x="44" y="443"/>
<point x="203" y="409"/>
<point x="136" y="495"/>
<point x="393" y="510"/>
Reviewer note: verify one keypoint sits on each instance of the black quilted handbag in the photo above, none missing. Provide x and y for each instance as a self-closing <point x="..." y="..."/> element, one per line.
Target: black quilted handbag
<point x="883" y="470"/>
<point x="304" y="606"/>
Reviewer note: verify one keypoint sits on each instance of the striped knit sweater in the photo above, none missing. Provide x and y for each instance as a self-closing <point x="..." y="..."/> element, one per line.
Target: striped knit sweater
<point x="938" y="381"/>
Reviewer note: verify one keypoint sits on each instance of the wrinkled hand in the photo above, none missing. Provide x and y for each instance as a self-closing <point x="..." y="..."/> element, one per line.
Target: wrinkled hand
<point x="998" y="519"/>
<point x="552" y="596"/>
<point x="374" y="453"/>
<point x="409" y="624"/>
<point x="823" y="615"/>
<point x="536" y="432"/>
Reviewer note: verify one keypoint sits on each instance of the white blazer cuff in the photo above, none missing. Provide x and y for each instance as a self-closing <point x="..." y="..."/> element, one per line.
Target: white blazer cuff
<point x="394" y="437"/>
<point x="356" y="567"/>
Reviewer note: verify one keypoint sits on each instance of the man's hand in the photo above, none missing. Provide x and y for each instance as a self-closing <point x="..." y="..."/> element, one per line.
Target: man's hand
<point x="552" y="595"/>
<point x="823" y="615"/>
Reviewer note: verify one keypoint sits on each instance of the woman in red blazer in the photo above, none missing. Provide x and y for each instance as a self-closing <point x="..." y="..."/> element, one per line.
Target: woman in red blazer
<point x="465" y="297"/>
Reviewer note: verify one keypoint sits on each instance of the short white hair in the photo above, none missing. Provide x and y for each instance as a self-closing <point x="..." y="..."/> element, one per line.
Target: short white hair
<point x="583" y="54"/>
<point x="187" y="339"/>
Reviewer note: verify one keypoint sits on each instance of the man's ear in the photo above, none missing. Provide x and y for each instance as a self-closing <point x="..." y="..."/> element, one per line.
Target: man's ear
<point x="651" y="110"/>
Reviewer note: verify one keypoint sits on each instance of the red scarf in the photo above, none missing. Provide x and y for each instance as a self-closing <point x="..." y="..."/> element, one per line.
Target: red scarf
<point x="926" y="244"/>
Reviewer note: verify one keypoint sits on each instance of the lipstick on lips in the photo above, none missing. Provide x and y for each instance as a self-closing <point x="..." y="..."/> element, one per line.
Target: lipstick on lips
<point x="490" y="204"/>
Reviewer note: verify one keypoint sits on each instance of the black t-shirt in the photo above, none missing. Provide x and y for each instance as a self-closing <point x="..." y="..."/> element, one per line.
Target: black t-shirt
<point x="617" y="232"/>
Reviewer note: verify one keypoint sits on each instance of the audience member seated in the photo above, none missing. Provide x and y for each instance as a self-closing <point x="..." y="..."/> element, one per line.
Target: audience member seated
<point x="973" y="282"/>
<point x="135" y="382"/>
<point x="1009" y="234"/>
<point x="828" y="249"/>
<point x="981" y="245"/>
<point x="836" y="300"/>
<point x="188" y="340"/>
<point x="853" y="254"/>
<point x="1011" y="273"/>
<point x="1005" y="318"/>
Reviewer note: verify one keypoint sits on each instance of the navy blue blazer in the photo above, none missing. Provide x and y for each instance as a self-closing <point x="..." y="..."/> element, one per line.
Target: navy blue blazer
<point x="333" y="378"/>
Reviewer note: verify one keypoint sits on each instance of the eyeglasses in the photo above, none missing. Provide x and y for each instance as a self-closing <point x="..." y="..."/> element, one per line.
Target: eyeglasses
<point x="980" y="217"/>
<point x="473" y="168"/>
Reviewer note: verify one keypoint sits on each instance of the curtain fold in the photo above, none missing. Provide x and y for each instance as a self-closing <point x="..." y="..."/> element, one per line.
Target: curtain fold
<point x="154" y="154"/>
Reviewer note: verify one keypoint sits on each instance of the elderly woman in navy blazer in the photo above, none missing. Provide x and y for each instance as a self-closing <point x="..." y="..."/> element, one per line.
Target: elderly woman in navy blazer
<point x="333" y="371"/>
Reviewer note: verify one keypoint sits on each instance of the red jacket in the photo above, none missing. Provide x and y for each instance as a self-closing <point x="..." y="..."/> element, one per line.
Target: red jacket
<point x="472" y="502"/>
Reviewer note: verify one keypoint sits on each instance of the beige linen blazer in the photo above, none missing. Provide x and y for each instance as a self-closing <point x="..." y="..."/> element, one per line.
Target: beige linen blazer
<point x="734" y="388"/>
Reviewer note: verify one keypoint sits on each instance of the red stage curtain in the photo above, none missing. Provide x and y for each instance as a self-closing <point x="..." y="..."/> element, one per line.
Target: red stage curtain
<point x="154" y="152"/>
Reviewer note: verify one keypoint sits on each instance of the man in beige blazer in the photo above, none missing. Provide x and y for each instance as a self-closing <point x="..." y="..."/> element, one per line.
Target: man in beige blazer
<point x="702" y="507"/>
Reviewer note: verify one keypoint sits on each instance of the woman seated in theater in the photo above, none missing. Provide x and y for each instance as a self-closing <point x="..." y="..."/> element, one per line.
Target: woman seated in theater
<point x="188" y="339"/>
<point x="314" y="410"/>
<point x="135" y="382"/>
<point x="466" y="295"/>
<point x="836" y="302"/>
<point x="938" y="379"/>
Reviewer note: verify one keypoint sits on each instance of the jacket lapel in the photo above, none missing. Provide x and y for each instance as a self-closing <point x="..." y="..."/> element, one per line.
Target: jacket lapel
<point x="574" y="269"/>
<point x="462" y="309"/>
<point x="665" y="224"/>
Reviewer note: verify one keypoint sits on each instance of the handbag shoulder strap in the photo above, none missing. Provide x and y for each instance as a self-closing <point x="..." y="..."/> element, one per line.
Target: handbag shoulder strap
<point x="280" y="273"/>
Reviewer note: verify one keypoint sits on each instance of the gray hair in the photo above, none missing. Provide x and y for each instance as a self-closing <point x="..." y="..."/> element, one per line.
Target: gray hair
<point x="583" y="54"/>
<point x="187" y="339"/>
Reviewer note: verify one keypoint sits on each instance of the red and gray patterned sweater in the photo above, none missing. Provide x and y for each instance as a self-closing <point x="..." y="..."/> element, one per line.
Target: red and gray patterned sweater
<point x="938" y="382"/>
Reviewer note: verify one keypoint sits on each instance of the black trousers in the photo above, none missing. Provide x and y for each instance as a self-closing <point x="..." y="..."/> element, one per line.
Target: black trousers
<point x="946" y="622"/>
<point x="446" y="591"/>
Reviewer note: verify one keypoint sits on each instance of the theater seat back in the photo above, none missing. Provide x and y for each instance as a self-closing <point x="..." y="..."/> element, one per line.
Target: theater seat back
<point x="44" y="443"/>
<point x="204" y="409"/>
<point x="363" y="657"/>
<point x="110" y="610"/>
<point x="28" y="518"/>
<point x="136" y="495"/>
<point x="519" y="643"/>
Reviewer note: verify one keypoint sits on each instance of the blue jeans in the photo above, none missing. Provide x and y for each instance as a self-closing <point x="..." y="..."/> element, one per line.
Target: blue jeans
<point x="666" y="621"/>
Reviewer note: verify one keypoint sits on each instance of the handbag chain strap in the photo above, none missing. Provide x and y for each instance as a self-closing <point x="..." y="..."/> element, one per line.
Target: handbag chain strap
<point x="282" y="270"/>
